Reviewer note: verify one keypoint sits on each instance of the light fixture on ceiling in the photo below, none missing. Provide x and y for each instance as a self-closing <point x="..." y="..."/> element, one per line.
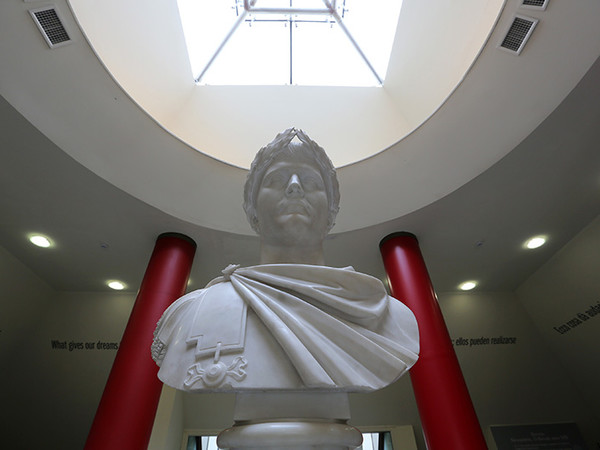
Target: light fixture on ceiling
<point x="116" y="285"/>
<point x="535" y="242"/>
<point x="467" y="285"/>
<point x="40" y="240"/>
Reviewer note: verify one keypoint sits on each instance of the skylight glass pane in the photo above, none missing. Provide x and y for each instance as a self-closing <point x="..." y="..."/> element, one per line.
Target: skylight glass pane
<point x="256" y="51"/>
<point x="322" y="56"/>
<point x="373" y="26"/>
<point x="205" y="24"/>
<point x="316" y="4"/>
<point x="255" y="55"/>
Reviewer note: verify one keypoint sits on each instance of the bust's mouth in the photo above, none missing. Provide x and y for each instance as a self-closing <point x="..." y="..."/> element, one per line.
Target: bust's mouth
<point x="294" y="208"/>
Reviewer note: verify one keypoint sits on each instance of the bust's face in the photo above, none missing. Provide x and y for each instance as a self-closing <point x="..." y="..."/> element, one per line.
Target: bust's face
<point x="291" y="204"/>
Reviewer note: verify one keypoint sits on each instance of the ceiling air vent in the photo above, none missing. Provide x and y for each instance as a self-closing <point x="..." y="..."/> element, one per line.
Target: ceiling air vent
<point x="535" y="4"/>
<point x="518" y="34"/>
<point x="48" y="21"/>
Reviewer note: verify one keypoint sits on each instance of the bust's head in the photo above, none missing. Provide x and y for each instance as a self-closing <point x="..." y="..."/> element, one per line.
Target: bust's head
<point x="291" y="185"/>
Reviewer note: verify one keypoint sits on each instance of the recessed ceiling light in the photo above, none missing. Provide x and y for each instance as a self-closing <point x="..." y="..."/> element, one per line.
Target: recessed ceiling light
<point x="116" y="285"/>
<point x="535" y="242"/>
<point x="40" y="241"/>
<point x="467" y="285"/>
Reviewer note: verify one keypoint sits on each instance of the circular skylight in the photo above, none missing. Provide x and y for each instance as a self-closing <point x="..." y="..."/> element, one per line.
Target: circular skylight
<point x="289" y="42"/>
<point x="147" y="53"/>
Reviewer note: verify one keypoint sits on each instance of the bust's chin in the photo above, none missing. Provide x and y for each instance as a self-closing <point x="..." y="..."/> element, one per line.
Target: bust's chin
<point x="296" y="232"/>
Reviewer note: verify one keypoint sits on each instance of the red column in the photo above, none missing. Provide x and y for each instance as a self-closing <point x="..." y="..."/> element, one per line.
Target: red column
<point x="126" y="411"/>
<point x="447" y="414"/>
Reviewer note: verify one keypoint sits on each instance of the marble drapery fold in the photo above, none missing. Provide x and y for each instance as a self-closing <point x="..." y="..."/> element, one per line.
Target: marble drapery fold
<point x="338" y="327"/>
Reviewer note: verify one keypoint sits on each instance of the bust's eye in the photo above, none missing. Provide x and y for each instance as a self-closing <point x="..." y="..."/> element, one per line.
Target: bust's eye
<point x="274" y="180"/>
<point x="312" y="182"/>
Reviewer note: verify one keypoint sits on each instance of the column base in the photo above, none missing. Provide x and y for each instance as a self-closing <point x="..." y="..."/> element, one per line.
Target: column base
<point x="291" y="421"/>
<point x="290" y="434"/>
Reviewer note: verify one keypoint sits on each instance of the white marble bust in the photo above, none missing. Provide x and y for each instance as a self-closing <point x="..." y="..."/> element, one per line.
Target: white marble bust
<point x="290" y="323"/>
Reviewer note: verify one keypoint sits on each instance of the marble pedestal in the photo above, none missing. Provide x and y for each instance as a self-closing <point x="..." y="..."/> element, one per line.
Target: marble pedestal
<point x="291" y="421"/>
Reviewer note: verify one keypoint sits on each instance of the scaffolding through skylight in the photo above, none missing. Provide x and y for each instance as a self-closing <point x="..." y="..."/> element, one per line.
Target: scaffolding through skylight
<point x="289" y="42"/>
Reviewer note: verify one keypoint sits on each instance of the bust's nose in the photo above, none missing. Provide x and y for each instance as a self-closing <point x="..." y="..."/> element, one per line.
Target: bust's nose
<point x="294" y="188"/>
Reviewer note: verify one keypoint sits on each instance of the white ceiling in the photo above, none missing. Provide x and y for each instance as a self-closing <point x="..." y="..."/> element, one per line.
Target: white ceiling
<point x="231" y="123"/>
<point x="85" y="164"/>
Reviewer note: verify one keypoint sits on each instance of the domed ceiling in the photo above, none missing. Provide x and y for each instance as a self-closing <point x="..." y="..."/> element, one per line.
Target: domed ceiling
<point x="145" y="51"/>
<point x="428" y="130"/>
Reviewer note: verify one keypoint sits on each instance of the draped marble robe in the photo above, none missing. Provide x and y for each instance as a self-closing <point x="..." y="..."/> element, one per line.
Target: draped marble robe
<point x="286" y="327"/>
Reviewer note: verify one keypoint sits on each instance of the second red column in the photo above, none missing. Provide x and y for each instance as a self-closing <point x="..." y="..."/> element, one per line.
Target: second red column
<point x="447" y="414"/>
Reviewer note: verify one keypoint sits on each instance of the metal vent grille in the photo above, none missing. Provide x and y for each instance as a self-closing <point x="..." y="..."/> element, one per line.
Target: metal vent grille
<point x="535" y="4"/>
<point x="518" y="34"/>
<point x="48" y="21"/>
